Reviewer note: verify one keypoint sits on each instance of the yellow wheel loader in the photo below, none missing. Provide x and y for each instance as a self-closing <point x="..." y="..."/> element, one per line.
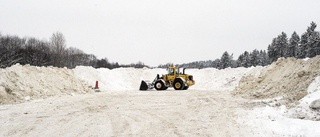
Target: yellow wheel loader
<point x="176" y="79"/>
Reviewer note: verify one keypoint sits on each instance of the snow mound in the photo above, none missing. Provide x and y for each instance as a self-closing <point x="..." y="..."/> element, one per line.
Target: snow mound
<point x="20" y="83"/>
<point x="221" y="80"/>
<point x="286" y="78"/>
<point x="308" y="107"/>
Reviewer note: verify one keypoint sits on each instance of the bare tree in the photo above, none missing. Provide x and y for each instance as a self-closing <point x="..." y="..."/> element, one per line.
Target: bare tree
<point x="10" y="47"/>
<point x="36" y="52"/>
<point x="58" y="45"/>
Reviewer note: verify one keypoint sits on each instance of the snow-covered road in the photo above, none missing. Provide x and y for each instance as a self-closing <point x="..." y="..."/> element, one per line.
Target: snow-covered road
<point x="134" y="113"/>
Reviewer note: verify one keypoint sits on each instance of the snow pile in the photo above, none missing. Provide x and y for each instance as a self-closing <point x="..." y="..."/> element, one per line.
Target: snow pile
<point x="221" y="80"/>
<point x="286" y="78"/>
<point x="129" y="78"/>
<point x="302" y="120"/>
<point x="307" y="109"/>
<point x="272" y="120"/>
<point x="19" y="83"/>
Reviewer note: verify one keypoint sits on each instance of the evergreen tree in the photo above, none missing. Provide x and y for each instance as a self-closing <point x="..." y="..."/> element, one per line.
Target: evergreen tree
<point x="265" y="58"/>
<point x="272" y="50"/>
<point x="282" y="44"/>
<point x="215" y="63"/>
<point x="225" y="60"/>
<point x="254" y="57"/>
<point x="307" y="42"/>
<point x="316" y="43"/>
<point x="247" y="60"/>
<point x="302" y="48"/>
<point x="293" y="45"/>
<point x="240" y="61"/>
<point x="278" y="47"/>
<point x="313" y="40"/>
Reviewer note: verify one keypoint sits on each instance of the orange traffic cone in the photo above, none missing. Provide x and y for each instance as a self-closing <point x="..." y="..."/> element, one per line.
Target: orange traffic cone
<point x="96" y="88"/>
<point x="97" y="85"/>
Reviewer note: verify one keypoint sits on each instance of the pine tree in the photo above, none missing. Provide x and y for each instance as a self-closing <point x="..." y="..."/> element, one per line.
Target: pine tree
<point x="293" y="45"/>
<point x="225" y="60"/>
<point x="282" y="44"/>
<point x="240" y="60"/>
<point x="307" y="42"/>
<point x="302" y="48"/>
<point x="266" y="60"/>
<point x="313" y="40"/>
<point x="278" y="47"/>
<point x="254" y="57"/>
<point x="316" y="44"/>
<point x="247" y="60"/>
<point x="272" y="50"/>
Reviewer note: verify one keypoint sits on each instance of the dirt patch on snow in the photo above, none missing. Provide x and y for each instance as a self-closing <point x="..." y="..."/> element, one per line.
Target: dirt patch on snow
<point x="286" y="78"/>
<point x="21" y="83"/>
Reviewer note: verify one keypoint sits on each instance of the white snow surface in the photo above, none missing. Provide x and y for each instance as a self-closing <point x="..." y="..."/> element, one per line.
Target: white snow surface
<point x="297" y="121"/>
<point x="303" y="110"/>
<point x="265" y="121"/>
<point x="126" y="79"/>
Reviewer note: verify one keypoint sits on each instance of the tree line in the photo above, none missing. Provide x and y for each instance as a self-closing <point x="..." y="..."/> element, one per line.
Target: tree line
<point x="54" y="52"/>
<point x="308" y="45"/>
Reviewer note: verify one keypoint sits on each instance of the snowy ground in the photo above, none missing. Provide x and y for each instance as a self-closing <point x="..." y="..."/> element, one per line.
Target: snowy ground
<point x="136" y="113"/>
<point x="59" y="102"/>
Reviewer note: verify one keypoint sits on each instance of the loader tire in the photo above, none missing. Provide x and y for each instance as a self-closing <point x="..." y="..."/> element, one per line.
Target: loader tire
<point x="159" y="85"/>
<point x="178" y="84"/>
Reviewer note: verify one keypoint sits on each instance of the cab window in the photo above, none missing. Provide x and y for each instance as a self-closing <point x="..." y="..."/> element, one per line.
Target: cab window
<point x="170" y="71"/>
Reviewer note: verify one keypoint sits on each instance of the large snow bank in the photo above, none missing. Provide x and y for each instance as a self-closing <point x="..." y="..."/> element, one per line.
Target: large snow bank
<point x="130" y="78"/>
<point x="19" y="83"/>
<point x="273" y="119"/>
<point x="304" y="109"/>
<point x="276" y="118"/>
<point x="286" y="78"/>
<point x="221" y="80"/>
<point x="298" y="121"/>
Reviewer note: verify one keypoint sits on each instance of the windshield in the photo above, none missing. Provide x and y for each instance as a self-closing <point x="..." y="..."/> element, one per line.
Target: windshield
<point x="170" y="71"/>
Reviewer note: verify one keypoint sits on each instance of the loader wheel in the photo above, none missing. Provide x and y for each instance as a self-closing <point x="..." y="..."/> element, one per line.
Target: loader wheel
<point x="159" y="85"/>
<point x="178" y="84"/>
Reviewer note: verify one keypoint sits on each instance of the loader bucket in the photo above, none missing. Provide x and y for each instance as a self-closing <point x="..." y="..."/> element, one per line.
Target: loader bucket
<point x="144" y="85"/>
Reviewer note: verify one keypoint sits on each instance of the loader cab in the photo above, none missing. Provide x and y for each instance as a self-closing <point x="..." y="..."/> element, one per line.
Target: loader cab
<point x="173" y="71"/>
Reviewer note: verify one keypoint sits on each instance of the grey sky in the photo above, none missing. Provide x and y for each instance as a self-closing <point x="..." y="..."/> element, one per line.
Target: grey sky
<point x="159" y="31"/>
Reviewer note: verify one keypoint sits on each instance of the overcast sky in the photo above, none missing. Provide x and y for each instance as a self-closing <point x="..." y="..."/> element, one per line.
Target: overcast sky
<point x="159" y="31"/>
